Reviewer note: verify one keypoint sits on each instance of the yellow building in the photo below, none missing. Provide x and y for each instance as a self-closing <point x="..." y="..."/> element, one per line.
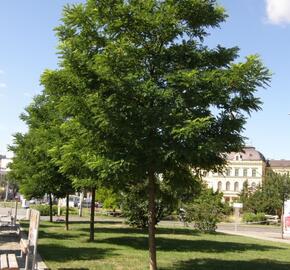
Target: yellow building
<point x="281" y="166"/>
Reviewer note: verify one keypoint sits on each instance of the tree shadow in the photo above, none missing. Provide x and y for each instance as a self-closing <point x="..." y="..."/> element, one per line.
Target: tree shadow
<point x="185" y="245"/>
<point x="215" y="264"/>
<point x="130" y="230"/>
<point x="60" y="253"/>
<point x="117" y="230"/>
<point x="52" y="235"/>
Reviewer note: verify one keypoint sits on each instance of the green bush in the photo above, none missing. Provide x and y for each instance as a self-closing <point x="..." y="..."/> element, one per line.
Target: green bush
<point x="249" y="217"/>
<point x="206" y="211"/>
<point x="44" y="210"/>
<point x="261" y="217"/>
<point x="252" y="217"/>
<point x="135" y="207"/>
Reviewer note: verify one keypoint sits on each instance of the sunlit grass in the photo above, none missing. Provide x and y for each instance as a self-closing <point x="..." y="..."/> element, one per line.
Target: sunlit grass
<point x="119" y="247"/>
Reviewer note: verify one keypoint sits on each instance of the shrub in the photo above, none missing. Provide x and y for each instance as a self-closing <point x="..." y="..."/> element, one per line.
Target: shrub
<point x="261" y="217"/>
<point x="249" y="217"/>
<point x="44" y="209"/>
<point x="205" y="211"/>
<point x="252" y="217"/>
<point x="135" y="207"/>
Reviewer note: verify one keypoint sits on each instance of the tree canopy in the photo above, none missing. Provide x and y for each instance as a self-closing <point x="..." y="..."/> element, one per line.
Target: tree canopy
<point x="147" y="99"/>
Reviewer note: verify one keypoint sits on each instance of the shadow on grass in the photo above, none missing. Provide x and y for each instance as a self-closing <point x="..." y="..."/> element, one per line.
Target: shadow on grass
<point x="214" y="264"/>
<point x="61" y="253"/>
<point x="58" y="236"/>
<point x="130" y="230"/>
<point x="184" y="245"/>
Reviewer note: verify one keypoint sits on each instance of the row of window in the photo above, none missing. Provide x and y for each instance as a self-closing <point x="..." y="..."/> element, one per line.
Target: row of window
<point x="236" y="186"/>
<point x="253" y="172"/>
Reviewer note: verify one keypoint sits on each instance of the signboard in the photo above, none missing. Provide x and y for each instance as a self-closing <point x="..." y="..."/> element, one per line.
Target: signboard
<point x="286" y="218"/>
<point x="237" y="205"/>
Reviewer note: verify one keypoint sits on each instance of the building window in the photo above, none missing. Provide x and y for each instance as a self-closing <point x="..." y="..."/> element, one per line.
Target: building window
<point x="245" y="172"/>
<point x="236" y="172"/>
<point x="228" y="172"/>
<point x="254" y="172"/>
<point x="236" y="187"/>
<point x="219" y="185"/>
<point x="228" y="186"/>
<point x="237" y="157"/>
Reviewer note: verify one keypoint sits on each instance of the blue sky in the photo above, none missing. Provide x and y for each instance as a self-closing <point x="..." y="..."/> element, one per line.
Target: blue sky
<point x="28" y="46"/>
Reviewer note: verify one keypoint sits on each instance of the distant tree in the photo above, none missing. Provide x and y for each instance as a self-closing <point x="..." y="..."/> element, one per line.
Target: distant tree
<point x="138" y="80"/>
<point x="268" y="198"/>
<point x="277" y="190"/>
<point x="33" y="167"/>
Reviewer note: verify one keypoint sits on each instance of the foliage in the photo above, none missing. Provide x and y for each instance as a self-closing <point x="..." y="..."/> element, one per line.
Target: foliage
<point x="206" y="210"/>
<point x="45" y="210"/>
<point x="108" y="198"/>
<point x="143" y="97"/>
<point x="252" y="217"/>
<point x="135" y="206"/>
<point x="269" y="197"/>
<point x="33" y="167"/>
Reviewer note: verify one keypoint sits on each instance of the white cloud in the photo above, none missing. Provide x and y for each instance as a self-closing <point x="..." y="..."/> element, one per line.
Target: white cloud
<point x="278" y="11"/>
<point x="3" y="85"/>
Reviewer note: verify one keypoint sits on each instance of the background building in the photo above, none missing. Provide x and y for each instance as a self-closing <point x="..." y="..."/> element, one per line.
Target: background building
<point x="281" y="166"/>
<point x="4" y="184"/>
<point x="247" y="166"/>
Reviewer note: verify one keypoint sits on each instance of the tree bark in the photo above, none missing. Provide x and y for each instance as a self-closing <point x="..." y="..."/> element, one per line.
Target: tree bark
<point x="50" y="208"/>
<point x="92" y="219"/>
<point x="67" y="212"/>
<point x="6" y="191"/>
<point x="152" y="221"/>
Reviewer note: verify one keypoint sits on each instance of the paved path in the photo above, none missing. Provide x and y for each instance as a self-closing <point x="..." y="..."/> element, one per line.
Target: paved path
<point x="269" y="233"/>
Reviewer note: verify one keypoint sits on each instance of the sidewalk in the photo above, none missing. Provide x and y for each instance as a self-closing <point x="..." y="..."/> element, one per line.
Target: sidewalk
<point x="269" y="236"/>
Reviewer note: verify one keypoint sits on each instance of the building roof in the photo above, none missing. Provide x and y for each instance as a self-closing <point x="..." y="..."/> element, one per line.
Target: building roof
<point x="279" y="163"/>
<point x="249" y="153"/>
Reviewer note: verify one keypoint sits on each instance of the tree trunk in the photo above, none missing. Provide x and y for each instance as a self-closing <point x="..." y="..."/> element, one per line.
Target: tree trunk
<point x="50" y="208"/>
<point x="152" y="222"/>
<point x="92" y="219"/>
<point x="66" y="212"/>
<point x="7" y="190"/>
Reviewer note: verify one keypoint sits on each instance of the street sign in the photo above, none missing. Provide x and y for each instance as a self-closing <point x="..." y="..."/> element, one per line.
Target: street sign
<point x="237" y="205"/>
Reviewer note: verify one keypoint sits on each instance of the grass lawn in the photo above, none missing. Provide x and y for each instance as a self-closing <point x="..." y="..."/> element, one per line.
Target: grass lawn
<point x="119" y="247"/>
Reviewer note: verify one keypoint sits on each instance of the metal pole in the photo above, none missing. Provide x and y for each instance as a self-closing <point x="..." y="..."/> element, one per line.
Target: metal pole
<point x="81" y="204"/>
<point x="15" y="214"/>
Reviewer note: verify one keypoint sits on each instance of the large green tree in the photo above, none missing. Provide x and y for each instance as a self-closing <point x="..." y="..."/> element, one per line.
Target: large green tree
<point x="156" y="102"/>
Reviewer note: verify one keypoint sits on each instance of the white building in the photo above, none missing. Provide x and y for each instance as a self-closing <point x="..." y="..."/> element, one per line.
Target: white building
<point x="247" y="166"/>
<point x="4" y="161"/>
